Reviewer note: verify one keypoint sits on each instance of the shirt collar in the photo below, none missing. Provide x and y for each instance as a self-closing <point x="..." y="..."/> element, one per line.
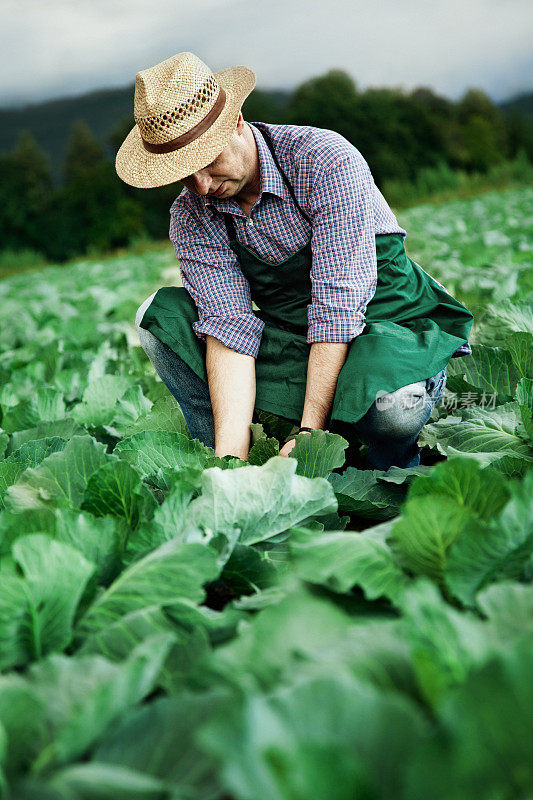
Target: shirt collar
<point x="271" y="179"/>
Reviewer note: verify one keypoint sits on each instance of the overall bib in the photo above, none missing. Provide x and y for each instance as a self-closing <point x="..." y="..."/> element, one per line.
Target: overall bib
<point x="413" y="327"/>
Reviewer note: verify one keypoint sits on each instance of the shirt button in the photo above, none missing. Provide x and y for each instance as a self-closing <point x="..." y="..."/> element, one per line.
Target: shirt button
<point x="271" y="259"/>
<point x="251" y="223"/>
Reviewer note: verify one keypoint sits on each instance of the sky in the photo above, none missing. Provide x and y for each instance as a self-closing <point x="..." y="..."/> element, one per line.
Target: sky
<point x="58" y="48"/>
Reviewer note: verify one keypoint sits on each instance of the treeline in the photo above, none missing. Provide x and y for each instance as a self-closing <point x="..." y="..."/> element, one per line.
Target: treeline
<point x="409" y="140"/>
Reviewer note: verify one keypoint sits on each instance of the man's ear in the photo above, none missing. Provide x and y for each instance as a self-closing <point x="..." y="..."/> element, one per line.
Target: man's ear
<point x="240" y="125"/>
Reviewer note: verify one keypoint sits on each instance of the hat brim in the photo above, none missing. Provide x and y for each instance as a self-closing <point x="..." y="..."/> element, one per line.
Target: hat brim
<point x="144" y="170"/>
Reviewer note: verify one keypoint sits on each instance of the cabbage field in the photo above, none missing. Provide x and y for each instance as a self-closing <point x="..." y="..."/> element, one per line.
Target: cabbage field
<point x="177" y="626"/>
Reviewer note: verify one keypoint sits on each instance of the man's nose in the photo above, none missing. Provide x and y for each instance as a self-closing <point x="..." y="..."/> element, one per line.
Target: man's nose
<point x="202" y="181"/>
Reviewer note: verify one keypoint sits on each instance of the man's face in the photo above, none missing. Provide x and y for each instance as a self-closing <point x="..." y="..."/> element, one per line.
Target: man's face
<point x="228" y="174"/>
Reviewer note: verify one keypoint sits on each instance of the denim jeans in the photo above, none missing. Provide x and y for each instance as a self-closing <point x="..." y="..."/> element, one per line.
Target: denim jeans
<point x="390" y="427"/>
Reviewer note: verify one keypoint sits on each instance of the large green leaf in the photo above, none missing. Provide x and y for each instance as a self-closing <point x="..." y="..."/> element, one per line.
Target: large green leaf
<point x="482" y="432"/>
<point x="509" y="608"/>
<point x="16" y="524"/>
<point x="343" y="560"/>
<point x="97" y="781"/>
<point x="318" y="453"/>
<point x="483" y="491"/>
<point x="362" y="492"/>
<point x="422" y="537"/>
<point x="520" y="345"/>
<point x="61" y="478"/>
<point x="524" y="397"/>
<point x="22" y="715"/>
<point x="445" y="643"/>
<point x="173" y="571"/>
<point x="262" y="450"/>
<point x="46" y="405"/>
<point x="100" y="541"/>
<point x="323" y="738"/>
<point x="117" y="640"/>
<point x="167" y="523"/>
<point x="491" y="369"/>
<point x="64" y="428"/>
<point x="10" y="471"/>
<point x="37" y="609"/>
<point x="299" y="628"/>
<point x="504" y="318"/>
<point x="132" y="406"/>
<point x="193" y="630"/>
<point x="487" y="722"/>
<point x="161" y="737"/>
<point x="258" y="502"/>
<point x="165" y="415"/>
<point x="510" y="466"/>
<point x="117" y="489"/>
<point x="99" y="400"/>
<point x="28" y="455"/>
<point x="483" y="552"/>
<point x="150" y="451"/>
<point x="33" y="452"/>
<point x="84" y="694"/>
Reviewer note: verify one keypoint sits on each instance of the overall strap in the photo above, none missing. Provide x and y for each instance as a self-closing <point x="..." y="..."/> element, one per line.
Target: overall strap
<point x="230" y="225"/>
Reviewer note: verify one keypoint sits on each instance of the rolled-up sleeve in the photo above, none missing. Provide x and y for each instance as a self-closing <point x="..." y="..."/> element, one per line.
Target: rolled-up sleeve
<point x="344" y="267"/>
<point x="210" y="273"/>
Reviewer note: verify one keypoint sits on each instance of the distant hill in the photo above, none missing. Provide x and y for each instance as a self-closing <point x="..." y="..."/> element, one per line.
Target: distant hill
<point x="103" y="110"/>
<point x="522" y="103"/>
<point x="50" y="122"/>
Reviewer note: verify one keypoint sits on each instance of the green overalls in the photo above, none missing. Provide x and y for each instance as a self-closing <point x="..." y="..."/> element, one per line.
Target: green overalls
<point x="413" y="326"/>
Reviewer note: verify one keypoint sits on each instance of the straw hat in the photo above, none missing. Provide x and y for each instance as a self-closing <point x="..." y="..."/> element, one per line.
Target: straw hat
<point x="185" y="116"/>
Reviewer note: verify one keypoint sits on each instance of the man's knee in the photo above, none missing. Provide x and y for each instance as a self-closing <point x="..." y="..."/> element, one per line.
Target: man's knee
<point x="141" y="311"/>
<point x="402" y="413"/>
<point x="149" y="343"/>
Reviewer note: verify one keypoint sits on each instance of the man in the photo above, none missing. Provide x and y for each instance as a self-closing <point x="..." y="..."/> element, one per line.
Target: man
<point x="347" y="332"/>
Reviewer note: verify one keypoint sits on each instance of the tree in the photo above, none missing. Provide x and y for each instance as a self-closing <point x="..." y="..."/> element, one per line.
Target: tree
<point x="155" y="203"/>
<point x="264" y="106"/>
<point x="481" y="143"/>
<point x="84" y="153"/>
<point x="25" y="191"/>
<point x="520" y="133"/>
<point x="480" y="117"/>
<point x="437" y="105"/>
<point x="325" y="102"/>
<point x="91" y="210"/>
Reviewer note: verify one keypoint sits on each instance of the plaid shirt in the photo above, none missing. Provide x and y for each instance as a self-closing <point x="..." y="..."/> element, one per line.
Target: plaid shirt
<point x="334" y="186"/>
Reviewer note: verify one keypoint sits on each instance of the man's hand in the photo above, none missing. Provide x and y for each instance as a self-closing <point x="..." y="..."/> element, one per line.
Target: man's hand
<point x="231" y="379"/>
<point x="289" y="446"/>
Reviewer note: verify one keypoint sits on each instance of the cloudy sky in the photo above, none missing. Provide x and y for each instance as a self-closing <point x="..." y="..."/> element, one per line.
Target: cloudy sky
<point x="53" y="48"/>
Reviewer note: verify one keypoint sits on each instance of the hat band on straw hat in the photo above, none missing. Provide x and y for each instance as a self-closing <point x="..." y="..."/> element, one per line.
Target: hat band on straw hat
<point x="193" y="133"/>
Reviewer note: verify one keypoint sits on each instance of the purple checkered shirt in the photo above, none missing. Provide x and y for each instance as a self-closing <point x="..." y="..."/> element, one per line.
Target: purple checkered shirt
<point x="334" y="186"/>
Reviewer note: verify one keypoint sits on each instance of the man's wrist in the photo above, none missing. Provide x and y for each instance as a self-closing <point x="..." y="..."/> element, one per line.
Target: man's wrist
<point x="303" y="429"/>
